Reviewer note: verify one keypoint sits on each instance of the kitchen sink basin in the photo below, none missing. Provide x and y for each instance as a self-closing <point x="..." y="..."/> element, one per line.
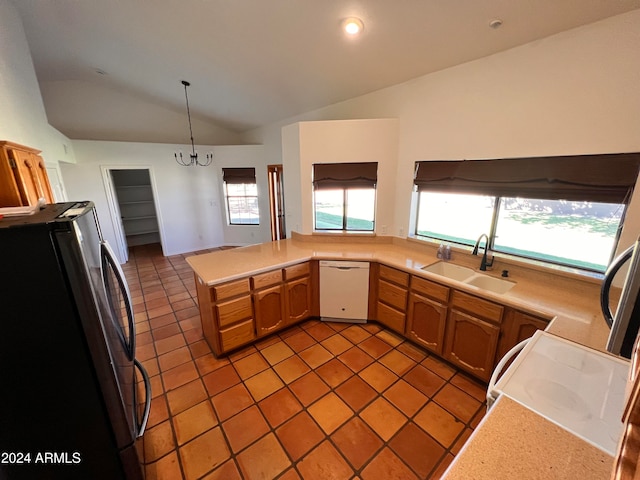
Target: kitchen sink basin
<point x="495" y="285"/>
<point x="449" y="270"/>
<point x="470" y="277"/>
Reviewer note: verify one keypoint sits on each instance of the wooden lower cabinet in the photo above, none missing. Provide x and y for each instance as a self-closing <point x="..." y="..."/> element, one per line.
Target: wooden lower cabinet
<point x="391" y="298"/>
<point x="268" y="306"/>
<point x="298" y="300"/>
<point x="518" y="326"/>
<point x="390" y="317"/>
<point x="471" y="343"/>
<point x="426" y="321"/>
<point x="237" y="335"/>
<point x="226" y="312"/>
<point x="235" y="313"/>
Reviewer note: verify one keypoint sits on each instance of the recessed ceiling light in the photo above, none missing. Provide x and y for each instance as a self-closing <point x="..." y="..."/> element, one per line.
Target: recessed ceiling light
<point x="352" y="25"/>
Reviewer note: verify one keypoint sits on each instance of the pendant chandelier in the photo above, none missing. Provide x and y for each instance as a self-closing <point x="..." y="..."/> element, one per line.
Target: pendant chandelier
<point x="193" y="156"/>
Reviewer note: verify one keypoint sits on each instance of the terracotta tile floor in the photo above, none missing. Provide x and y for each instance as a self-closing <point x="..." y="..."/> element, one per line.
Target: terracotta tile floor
<point x="316" y="401"/>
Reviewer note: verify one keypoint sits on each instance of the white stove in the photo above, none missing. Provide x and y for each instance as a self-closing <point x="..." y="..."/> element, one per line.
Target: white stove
<point x="578" y="388"/>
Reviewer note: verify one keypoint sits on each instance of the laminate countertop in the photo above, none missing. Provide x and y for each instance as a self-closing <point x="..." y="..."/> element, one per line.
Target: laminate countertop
<point x="511" y="441"/>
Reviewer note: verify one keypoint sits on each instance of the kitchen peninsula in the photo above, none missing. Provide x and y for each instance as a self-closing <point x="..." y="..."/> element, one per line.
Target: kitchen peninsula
<point x="232" y="283"/>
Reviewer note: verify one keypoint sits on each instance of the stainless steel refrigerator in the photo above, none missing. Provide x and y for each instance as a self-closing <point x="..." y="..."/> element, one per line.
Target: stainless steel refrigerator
<point x="73" y="398"/>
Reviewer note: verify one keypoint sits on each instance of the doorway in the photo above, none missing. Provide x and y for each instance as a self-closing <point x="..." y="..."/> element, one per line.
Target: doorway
<point x="133" y="207"/>
<point x="276" y="202"/>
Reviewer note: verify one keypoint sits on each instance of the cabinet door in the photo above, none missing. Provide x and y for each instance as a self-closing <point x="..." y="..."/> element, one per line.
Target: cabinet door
<point x="471" y="344"/>
<point x="268" y="305"/>
<point x="426" y="321"/>
<point x="43" y="186"/>
<point x="518" y="326"/>
<point x="31" y="177"/>
<point x="298" y="299"/>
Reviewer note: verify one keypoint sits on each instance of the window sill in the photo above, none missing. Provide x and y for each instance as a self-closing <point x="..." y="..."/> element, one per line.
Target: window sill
<point x="343" y="233"/>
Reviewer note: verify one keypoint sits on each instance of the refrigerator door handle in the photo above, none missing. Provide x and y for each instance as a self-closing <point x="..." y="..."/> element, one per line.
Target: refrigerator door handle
<point x="608" y="279"/>
<point x="141" y="424"/>
<point x="124" y="288"/>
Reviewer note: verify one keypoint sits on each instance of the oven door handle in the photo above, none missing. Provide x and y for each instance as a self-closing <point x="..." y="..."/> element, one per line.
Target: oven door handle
<point x="491" y="395"/>
<point x="141" y="425"/>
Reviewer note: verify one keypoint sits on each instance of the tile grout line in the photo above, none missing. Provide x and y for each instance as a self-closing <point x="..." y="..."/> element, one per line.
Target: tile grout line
<point x="275" y="339"/>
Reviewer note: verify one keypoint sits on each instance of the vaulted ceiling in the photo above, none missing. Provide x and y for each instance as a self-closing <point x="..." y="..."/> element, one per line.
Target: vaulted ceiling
<point x="112" y="69"/>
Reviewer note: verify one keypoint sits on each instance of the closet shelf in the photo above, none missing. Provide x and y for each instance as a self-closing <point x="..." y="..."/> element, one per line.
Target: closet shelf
<point x="137" y="202"/>
<point x="145" y="232"/>
<point x="141" y="217"/>
<point x="132" y="187"/>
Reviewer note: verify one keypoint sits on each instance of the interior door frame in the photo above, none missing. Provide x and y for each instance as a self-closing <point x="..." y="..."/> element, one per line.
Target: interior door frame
<point x="276" y="202"/>
<point x="114" y="207"/>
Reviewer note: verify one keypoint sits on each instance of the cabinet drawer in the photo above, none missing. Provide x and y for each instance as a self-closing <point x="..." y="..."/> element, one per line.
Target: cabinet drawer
<point x="393" y="275"/>
<point x="430" y="289"/>
<point x="266" y="279"/>
<point x="391" y="317"/>
<point x="392" y="295"/>
<point x="296" y="271"/>
<point x="233" y="311"/>
<point x="477" y="306"/>
<point x="237" y="335"/>
<point x="231" y="289"/>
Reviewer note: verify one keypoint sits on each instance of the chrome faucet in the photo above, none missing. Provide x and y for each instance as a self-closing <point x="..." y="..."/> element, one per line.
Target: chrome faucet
<point x="483" y="263"/>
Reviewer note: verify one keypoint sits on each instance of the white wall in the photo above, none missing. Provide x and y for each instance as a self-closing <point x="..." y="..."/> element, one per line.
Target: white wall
<point x="188" y="198"/>
<point x="22" y="115"/>
<point x="345" y="141"/>
<point x="572" y="93"/>
<point x="238" y="156"/>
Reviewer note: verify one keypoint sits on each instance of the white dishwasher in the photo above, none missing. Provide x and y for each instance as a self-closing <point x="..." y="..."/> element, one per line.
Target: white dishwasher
<point x="344" y="291"/>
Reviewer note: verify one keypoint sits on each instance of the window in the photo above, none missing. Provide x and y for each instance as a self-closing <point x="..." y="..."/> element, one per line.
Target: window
<point x="562" y="210"/>
<point x="577" y="234"/>
<point x="581" y="234"/>
<point x="454" y="218"/>
<point x="241" y="196"/>
<point x="344" y="196"/>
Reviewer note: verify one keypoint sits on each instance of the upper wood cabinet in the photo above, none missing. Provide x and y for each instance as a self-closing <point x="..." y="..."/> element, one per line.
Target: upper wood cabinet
<point x="23" y="176"/>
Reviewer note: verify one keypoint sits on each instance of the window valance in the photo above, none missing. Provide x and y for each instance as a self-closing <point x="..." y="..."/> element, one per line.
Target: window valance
<point x="239" y="175"/>
<point x="607" y="178"/>
<point x="345" y="175"/>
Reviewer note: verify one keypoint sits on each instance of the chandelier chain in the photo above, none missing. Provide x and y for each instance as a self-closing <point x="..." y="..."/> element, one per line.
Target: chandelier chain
<point x="193" y="160"/>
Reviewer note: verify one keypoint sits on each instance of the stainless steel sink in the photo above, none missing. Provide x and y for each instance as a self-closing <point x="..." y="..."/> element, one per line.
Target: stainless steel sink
<point x="470" y="277"/>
